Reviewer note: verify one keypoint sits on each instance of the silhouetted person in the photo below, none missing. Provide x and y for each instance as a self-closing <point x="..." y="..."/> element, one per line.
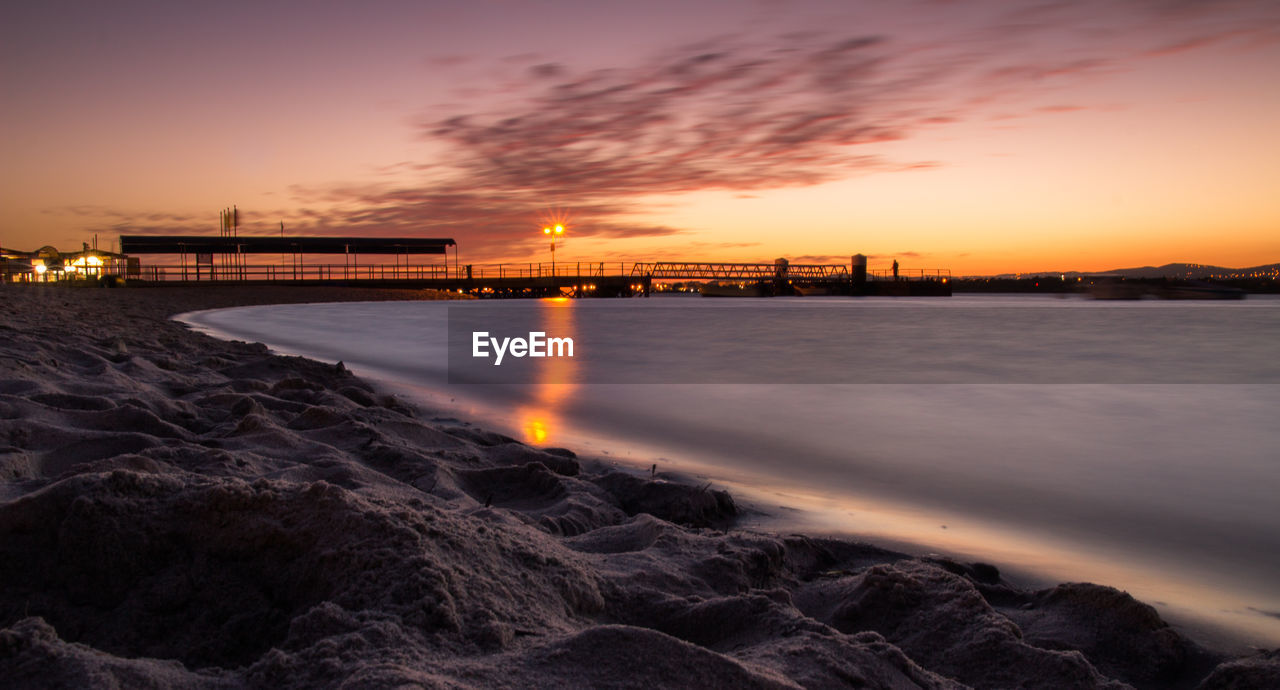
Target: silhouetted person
<point x="895" y="269"/>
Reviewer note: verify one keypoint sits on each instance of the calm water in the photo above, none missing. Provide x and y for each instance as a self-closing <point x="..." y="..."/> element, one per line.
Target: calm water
<point x="1133" y="444"/>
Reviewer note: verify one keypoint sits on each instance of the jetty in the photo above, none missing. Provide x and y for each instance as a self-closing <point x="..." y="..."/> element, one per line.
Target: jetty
<point x="433" y="263"/>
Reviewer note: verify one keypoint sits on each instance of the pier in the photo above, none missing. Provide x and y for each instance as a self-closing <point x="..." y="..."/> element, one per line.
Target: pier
<point x="428" y="263"/>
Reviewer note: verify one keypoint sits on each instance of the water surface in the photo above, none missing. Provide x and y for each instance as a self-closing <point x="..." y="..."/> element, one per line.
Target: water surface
<point x="1039" y="433"/>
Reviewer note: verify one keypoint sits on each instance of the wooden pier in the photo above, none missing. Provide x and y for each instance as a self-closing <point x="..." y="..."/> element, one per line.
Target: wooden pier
<point x="397" y="263"/>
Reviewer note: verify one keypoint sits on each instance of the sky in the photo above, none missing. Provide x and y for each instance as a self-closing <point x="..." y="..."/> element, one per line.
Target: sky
<point x="976" y="136"/>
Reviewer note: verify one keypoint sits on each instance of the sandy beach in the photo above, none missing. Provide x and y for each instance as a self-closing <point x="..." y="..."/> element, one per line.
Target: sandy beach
<point x="180" y="511"/>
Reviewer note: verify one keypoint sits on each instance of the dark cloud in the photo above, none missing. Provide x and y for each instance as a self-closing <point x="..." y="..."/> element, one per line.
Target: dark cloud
<point x="487" y="222"/>
<point x="738" y="115"/>
<point x="821" y="259"/>
<point x="733" y="117"/>
<point x="546" y="70"/>
<point x="743" y="115"/>
<point x="115" y="215"/>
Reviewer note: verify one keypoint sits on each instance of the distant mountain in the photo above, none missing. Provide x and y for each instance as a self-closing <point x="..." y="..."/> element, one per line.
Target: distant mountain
<point x="1184" y="271"/>
<point x="1196" y="271"/>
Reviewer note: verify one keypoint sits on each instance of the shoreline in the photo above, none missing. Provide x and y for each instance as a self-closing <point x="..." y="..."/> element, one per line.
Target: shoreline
<point x="1217" y="601"/>
<point x="272" y="519"/>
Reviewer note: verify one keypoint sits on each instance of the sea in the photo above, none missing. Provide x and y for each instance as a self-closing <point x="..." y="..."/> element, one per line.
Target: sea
<point x="1134" y="444"/>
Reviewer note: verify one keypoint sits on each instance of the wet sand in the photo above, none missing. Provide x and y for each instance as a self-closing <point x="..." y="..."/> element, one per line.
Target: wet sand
<point x="179" y="511"/>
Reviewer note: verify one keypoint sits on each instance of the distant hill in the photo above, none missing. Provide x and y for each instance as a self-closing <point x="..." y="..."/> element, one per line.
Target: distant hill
<point x="1185" y="271"/>
<point x="1197" y="271"/>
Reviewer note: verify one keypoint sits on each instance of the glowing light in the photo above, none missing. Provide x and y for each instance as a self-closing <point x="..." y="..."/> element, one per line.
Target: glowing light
<point x="547" y="230"/>
<point x="559" y="229"/>
<point x="535" y="430"/>
<point x="95" y="261"/>
<point x="40" y="268"/>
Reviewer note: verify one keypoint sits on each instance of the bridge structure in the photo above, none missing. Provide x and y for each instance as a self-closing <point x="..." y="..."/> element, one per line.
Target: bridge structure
<point x="784" y="278"/>
<point x="692" y="270"/>
<point x="426" y="263"/>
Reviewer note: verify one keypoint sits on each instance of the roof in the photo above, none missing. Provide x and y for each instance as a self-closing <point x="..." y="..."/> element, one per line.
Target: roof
<point x="207" y="244"/>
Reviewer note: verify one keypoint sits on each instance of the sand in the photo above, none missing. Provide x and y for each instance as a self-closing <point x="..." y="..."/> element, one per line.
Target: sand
<point x="179" y="511"/>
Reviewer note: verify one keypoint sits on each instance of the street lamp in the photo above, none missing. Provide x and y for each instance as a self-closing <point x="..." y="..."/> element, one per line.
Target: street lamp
<point x="553" y="232"/>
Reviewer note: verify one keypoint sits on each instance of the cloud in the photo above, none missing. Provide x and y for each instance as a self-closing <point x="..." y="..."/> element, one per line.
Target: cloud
<point x="440" y="61"/>
<point x="488" y="222"/>
<point x="739" y="114"/>
<point x="118" y="216"/>
<point x="748" y="114"/>
<point x="821" y="259"/>
<point x="898" y="255"/>
<point x="1060" y="108"/>
<point x="546" y="70"/>
<point x="710" y="116"/>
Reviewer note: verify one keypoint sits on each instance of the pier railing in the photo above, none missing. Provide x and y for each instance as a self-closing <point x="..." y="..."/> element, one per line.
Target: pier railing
<point x="939" y="274"/>
<point x="561" y="269"/>
<point x="273" y="273"/>
<point x="681" y="270"/>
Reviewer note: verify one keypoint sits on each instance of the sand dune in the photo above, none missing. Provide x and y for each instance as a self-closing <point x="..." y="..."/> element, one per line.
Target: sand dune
<point x="177" y="511"/>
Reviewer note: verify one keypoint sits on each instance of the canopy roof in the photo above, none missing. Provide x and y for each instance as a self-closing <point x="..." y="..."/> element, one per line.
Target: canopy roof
<point x="206" y="244"/>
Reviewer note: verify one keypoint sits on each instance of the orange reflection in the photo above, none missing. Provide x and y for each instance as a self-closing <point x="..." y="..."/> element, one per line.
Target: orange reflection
<point x="535" y="430"/>
<point x="541" y="416"/>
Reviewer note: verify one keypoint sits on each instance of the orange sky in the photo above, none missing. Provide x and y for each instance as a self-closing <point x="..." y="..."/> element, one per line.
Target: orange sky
<point x="983" y="137"/>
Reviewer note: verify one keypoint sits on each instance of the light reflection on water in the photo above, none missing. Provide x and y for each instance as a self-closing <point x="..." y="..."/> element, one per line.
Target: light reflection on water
<point x="1164" y="490"/>
<point x="539" y="417"/>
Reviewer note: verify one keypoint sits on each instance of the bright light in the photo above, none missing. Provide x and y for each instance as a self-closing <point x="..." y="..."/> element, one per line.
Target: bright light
<point x="535" y="431"/>
<point x="547" y="230"/>
<point x="95" y="261"/>
<point x="40" y="268"/>
<point x="559" y="229"/>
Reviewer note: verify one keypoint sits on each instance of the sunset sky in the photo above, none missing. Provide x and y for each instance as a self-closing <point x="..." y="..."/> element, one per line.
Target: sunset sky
<point x="983" y="137"/>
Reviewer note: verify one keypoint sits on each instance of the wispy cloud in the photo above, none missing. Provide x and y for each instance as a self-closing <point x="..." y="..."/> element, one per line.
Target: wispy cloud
<point x="741" y="115"/>
<point x="713" y="116"/>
